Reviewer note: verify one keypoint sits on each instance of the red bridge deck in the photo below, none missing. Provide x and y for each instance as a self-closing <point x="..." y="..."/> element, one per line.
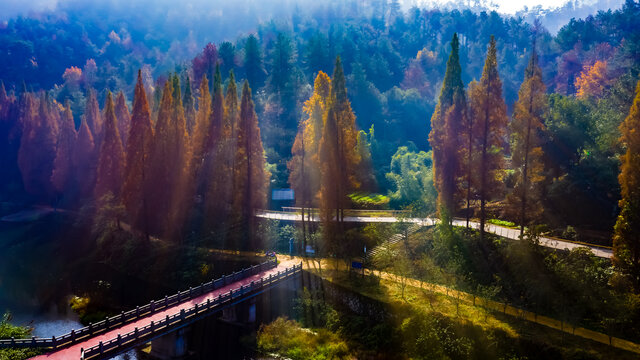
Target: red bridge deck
<point x="74" y="351"/>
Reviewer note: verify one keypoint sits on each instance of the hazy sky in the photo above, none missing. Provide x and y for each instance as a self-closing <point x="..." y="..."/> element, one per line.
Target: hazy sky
<point x="10" y="8"/>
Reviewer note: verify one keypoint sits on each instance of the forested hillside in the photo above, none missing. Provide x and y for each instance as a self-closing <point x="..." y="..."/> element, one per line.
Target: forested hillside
<point x="394" y="64"/>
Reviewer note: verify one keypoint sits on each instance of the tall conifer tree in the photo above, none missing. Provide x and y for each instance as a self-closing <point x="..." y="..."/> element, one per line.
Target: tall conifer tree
<point x="124" y="117"/>
<point x="84" y="160"/>
<point x="137" y="183"/>
<point x="201" y="131"/>
<point x="489" y="114"/>
<point x="446" y="124"/>
<point x="93" y="117"/>
<point x="626" y="239"/>
<point x="527" y="129"/>
<point x="189" y="106"/>
<point x="338" y="157"/>
<point x="304" y="166"/>
<point x="63" y="177"/>
<point x="111" y="162"/>
<point x="250" y="175"/>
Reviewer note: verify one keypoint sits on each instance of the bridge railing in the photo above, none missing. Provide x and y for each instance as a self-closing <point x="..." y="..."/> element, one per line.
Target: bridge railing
<point x="199" y="309"/>
<point x="124" y="318"/>
<point x="347" y="212"/>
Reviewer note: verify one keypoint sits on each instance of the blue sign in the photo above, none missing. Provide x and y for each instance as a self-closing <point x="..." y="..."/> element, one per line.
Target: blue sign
<point x="282" y="194"/>
<point x="356" y="265"/>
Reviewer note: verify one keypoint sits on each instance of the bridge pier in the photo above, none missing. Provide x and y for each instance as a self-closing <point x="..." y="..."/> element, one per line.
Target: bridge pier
<point x="171" y="346"/>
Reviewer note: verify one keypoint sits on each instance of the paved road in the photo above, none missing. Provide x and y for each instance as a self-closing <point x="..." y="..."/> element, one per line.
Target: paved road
<point x="73" y="352"/>
<point x="508" y="233"/>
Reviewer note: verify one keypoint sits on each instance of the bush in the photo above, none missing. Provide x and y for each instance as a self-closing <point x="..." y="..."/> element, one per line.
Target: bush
<point x="7" y="331"/>
<point x="501" y="223"/>
<point x="286" y="338"/>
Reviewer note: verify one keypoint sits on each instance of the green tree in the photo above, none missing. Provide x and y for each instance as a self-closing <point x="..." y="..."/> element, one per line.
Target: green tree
<point x="253" y="65"/>
<point x="411" y="178"/>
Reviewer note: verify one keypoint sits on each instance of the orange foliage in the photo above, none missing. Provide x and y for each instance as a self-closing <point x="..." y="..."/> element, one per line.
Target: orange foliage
<point x="592" y="81"/>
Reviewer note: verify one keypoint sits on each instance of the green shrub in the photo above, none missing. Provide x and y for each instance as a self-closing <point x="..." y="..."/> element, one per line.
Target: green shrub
<point x="501" y="223"/>
<point x="286" y="338"/>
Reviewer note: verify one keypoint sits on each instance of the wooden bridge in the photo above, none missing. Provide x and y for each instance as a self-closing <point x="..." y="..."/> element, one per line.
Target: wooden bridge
<point x="130" y="329"/>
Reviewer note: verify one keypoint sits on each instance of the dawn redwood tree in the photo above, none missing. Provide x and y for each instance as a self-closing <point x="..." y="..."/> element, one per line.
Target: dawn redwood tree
<point x="162" y="163"/>
<point x="626" y="238"/>
<point x="446" y="124"/>
<point x="199" y="136"/>
<point x="489" y="114"/>
<point x="304" y="174"/>
<point x="338" y="157"/>
<point x="303" y="167"/>
<point x="526" y="130"/>
<point x="229" y="132"/>
<point x="217" y="116"/>
<point x="84" y="160"/>
<point x="63" y="178"/>
<point x="111" y="161"/>
<point x="180" y="150"/>
<point x="137" y="182"/>
<point x="38" y="144"/>
<point x="217" y="162"/>
<point x="123" y="116"/>
<point x="189" y="106"/>
<point x="250" y="175"/>
<point x="93" y="117"/>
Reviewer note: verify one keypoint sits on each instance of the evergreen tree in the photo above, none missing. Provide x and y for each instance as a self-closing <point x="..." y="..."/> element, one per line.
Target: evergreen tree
<point x="317" y="54"/>
<point x="364" y="170"/>
<point x="111" y="162"/>
<point x="446" y="123"/>
<point x="227" y="55"/>
<point x="626" y="239"/>
<point x="526" y="130"/>
<point x="250" y="176"/>
<point x="137" y="183"/>
<point x="253" y="66"/>
<point x="489" y="114"/>
<point x="62" y="177"/>
<point x="124" y="117"/>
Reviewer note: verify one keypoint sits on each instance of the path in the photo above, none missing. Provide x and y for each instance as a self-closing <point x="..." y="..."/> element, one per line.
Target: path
<point x="513" y="234"/>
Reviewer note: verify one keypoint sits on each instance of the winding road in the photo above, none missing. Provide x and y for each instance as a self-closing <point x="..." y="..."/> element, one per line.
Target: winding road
<point x="512" y="234"/>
